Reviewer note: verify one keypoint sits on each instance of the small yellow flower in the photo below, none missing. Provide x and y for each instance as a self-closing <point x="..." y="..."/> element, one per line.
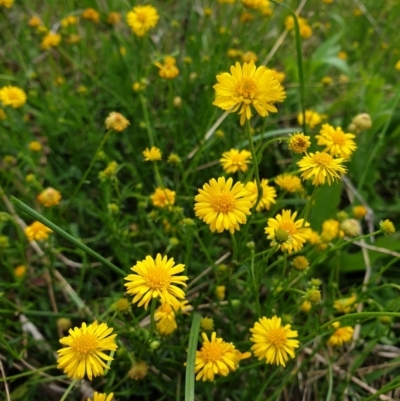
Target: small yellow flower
<point x="300" y="263"/>
<point x="222" y="206"/>
<point x="313" y="295"/>
<point x="338" y="143"/>
<point x="387" y="227"/>
<point x="50" y="40"/>
<point x="345" y="305"/>
<point x="216" y="357"/>
<point x="360" y="122"/>
<point x="397" y="66"/>
<point x="351" y="227"/>
<point x="296" y="232"/>
<point x="34" y="21"/>
<point x="12" y="96"/>
<point x="153" y="154"/>
<point x="327" y="81"/>
<point x="122" y="305"/>
<point x="173" y="158"/>
<point x="330" y="230"/>
<point x="249" y="56"/>
<point x="64" y="323"/>
<point x="279" y="75"/>
<point x="49" y="197"/>
<point x="84" y="351"/>
<point x="163" y="197"/>
<point x="20" y="271"/>
<point x="267" y="198"/>
<point x="168" y="70"/>
<point x="113" y="18"/>
<point x="305" y="31"/>
<point x="69" y="20"/>
<point x="138" y="86"/>
<point x="248" y="86"/>
<point x="101" y="397"/>
<point x="156" y="278"/>
<point x="235" y="160"/>
<point x="166" y="327"/>
<point x="6" y="3"/>
<point x="289" y="182"/>
<point x="138" y="371"/>
<point x="37" y="231"/>
<point x="207" y="324"/>
<point x="341" y="335"/>
<point x="109" y="172"/>
<point x="91" y="14"/>
<point x="342" y="55"/>
<point x="321" y="167"/>
<point x="272" y="341"/>
<point x="305" y="306"/>
<point x="359" y="211"/>
<point x="312" y="118"/>
<point x="299" y="143"/>
<point x="116" y="121"/>
<point x="141" y="19"/>
<point x="220" y="292"/>
<point x="35" y="146"/>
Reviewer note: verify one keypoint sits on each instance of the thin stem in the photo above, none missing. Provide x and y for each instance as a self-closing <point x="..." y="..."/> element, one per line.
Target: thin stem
<point x="309" y="204"/>
<point x="146" y="117"/>
<point x="83" y="178"/>
<point x="255" y="285"/>
<point x="68" y="390"/>
<point x="152" y="320"/>
<point x="191" y="357"/>
<point x="235" y="248"/>
<point x="255" y="163"/>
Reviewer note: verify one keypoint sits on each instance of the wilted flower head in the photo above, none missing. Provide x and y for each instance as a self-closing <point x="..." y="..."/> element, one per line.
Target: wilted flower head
<point x="116" y="121"/>
<point x="299" y="143"/>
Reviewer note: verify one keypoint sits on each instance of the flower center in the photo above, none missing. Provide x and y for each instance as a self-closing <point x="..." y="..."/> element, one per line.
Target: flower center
<point x="277" y="337"/>
<point x="223" y="202"/>
<point x="141" y="16"/>
<point x="322" y="158"/>
<point x="340" y="332"/>
<point x="338" y="138"/>
<point x="212" y="352"/>
<point x="157" y="277"/>
<point x="246" y="88"/>
<point x="288" y="226"/>
<point x="13" y="95"/>
<point x="85" y="344"/>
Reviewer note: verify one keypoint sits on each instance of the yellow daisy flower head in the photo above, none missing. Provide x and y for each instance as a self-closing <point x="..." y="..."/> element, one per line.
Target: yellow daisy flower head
<point x="12" y="96"/>
<point x="345" y="305"/>
<point x="168" y="70"/>
<point x="387" y="227"/>
<point x="207" y="324"/>
<point x="299" y="143"/>
<point x="321" y="167"/>
<point x="91" y="14"/>
<point x="216" y="357"/>
<point x="35" y="146"/>
<point x="300" y="263"/>
<point x="6" y="3"/>
<point x="220" y="292"/>
<point x="289" y="182"/>
<point x="267" y="198"/>
<point x="336" y="142"/>
<point x="152" y="154"/>
<point x="305" y="306"/>
<point x="330" y="230"/>
<point x="312" y="118"/>
<point x="116" y="121"/>
<point x="272" y="341"/>
<point x="138" y="371"/>
<point x="359" y="211"/>
<point x="297" y="232"/>
<point x="248" y="86"/>
<point x="50" y="40"/>
<point x="113" y="18"/>
<point x="351" y="227"/>
<point x="20" y="271"/>
<point x="163" y="197"/>
<point x="235" y="160"/>
<point x="155" y="278"/>
<point x="34" y="21"/>
<point x="279" y="75"/>
<point x="249" y="56"/>
<point x="49" y="197"/>
<point x="341" y="335"/>
<point x="84" y="351"/>
<point x="222" y="206"/>
<point x="101" y="397"/>
<point x="37" y="231"/>
<point x="141" y="19"/>
<point x="305" y="31"/>
<point x="69" y="20"/>
<point x="166" y="326"/>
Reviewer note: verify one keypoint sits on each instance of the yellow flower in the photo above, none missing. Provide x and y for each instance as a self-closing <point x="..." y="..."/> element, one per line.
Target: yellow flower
<point x="359" y="211"/>
<point x="249" y="56"/>
<point x="166" y="327"/>
<point x="387" y="227"/>
<point x="12" y="96"/>
<point x="337" y="142"/>
<point x="155" y="278"/>
<point x="279" y="75"/>
<point x="20" y="271"/>
<point x="153" y="154"/>
<point x="327" y="81"/>
<point x="235" y="160"/>
<point x="300" y="263"/>
<point x="173" y="158"/>
<point x="109" y="172"/>
<point x="305" y="31"/>
<point x="351" y="227"/>
<point x="313" y="295"/>
<point x="37" y="231"/>
<point x="84" y="353"/>
<point x="6" y="3"/>
<point x="101" y="397"/>
<point x="322" y="166"/>
<point x="35" y="146"/>
<point x="289" y="182"/>
<point x="296" y="231"/>
<point x="113" y="18"/>
<point x="163" y="197"/>
<point x="141" y="19"/>
<point x="330" y="230"/>
<point x="123" y="305"/>
<point x="138" y="371"/>
<point x="312" y="118"/>
<point x="345" y="305"/>
<point x="272" y="341"/>
<point x="248" y="86"/>
<point x="220" y="292"/>
<point x="299" y="143"/>
<point x="168" y="70"/>
<point x="49" y="197"/>
<point x="91" y="15"/>
<point x="50" y="40"/>
<point x="64" y="323"/>
<point x="397" y="66"/>
<point x="222" y="206"/>
<point x="267" y="198"/>
<point x="116" y="121"/>
<point x="342" y="55"/>
<point x="69" y="20"/>
<point x="305" y="306"/>
<point x="215" y="357"/>
<point x="207" y="324"/>
<point x="289" y="22"/>
<point x="34" y="21"/>
<point x="341" y="335"/>
<point x="360" y="122"/>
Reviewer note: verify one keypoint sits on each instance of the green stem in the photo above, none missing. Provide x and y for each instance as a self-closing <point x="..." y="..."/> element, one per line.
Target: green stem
<point x="255" y="285"/>
<point x="191" y="357"/>
<point x="309" y="204"/>
<point x="152" y="320"/>
<point x="68" y="390"/>
<point x="25" y="208"/>
<point x="147" y="120"/>
<point x="255" y="164"/>
<point x="235" y="248"/>
<point x="83" y="178"/>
